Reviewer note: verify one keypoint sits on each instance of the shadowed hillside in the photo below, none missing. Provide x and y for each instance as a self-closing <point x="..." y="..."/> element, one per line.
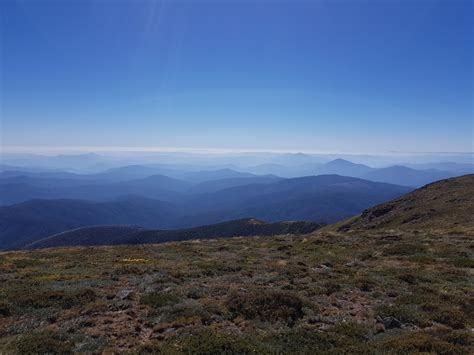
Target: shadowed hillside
<point x="29" y="221"/>
<point x="113" y="235"/>
<point x="320" y="199"/>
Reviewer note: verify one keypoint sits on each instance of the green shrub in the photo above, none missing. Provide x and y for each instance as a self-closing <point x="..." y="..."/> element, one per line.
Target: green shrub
<point x="266" y="305"/>
<point x="51" y="298"/>
<point x="331" y="287"/>
<point x="403" y="249"/>
<point x="451" y="317"/>
<point x="351" y="330"/>
<point x="458" y="337"/>
<point x="420" y="342"/>
<point x="44" y="342"/>
<point x="158" y="300"/>
<point x="342" y="339"/>
<point x="462" y="262"/>
<point x="207" y="342"/>
<point x="409" y="278"/>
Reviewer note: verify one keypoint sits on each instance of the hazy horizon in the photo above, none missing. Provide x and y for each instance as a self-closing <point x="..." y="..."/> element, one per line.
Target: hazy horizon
<point x="362" y="77"/>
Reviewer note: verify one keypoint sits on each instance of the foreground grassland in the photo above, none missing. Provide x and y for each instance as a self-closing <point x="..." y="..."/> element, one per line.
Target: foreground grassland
<point x="386" y="292"/>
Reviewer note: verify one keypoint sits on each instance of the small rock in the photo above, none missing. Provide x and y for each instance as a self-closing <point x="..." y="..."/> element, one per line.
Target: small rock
<point x="125" y="294"/>
<point x="321" y="268"/>
<point x="391" y="322"/>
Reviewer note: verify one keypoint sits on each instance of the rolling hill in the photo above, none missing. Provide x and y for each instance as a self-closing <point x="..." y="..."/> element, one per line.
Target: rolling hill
<point x="226" y="183"/>
<point x="115" y="235"/>
<point x="29" y="221"/>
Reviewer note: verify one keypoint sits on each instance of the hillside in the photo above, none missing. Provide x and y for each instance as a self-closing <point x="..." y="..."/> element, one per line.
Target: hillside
<point x="87" y="236"/>
<point x="29" y="221"/>
<point x="115" y="235"/>
<point x="227" y="183"/>
<point x="330" y="292"/>
<point x="323" y="199"/>
<point x="444" y="205"/>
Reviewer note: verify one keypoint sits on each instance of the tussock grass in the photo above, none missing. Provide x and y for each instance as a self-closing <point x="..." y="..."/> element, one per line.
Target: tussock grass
<point x="324" y="293"/>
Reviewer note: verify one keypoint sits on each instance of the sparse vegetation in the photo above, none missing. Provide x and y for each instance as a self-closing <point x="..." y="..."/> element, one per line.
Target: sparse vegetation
<point x="328" y="292"/>
<point x="265" y="305"/>
<point x="44" y="342"/>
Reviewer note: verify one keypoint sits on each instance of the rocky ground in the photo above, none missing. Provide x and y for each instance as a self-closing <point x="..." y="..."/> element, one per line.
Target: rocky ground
<point x="329" y="292"/>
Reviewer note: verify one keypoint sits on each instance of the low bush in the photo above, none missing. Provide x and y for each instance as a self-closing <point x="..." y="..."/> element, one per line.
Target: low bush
<point x="158" y="300"/>
<point x="331" y="287"/>
<point x="403" y="249"/>
<point x="450" y="317"/>
<point x="266" y="305"/>
<point x="420" y="342"/>
<point x="205" y="341"/>
<point x="51" y="298"/>
<point x="461" y="261"/>
<point x="342" y="339"/>
<point x="44" y="342"/>
<point x="409" y="278"/>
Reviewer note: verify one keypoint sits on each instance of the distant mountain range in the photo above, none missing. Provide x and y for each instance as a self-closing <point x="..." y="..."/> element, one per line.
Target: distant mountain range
<point x="444" y="206"/>
<point x="324" y="198"/>
<point x="413" y="175"/>
<point x="39" y="203"/>
<point x="401" y="175"/>
<point x="164" y="183"/>
<point x="321" y="199"/>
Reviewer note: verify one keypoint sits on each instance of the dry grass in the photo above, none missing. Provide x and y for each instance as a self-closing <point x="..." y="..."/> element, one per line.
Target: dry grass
<point x="329" y="292"/>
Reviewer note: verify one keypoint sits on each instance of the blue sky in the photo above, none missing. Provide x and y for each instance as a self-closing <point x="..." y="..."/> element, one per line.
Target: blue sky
<point x="339" y="76"/>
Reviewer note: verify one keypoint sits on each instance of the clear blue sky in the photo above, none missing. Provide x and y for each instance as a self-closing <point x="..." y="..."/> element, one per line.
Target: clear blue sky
<point x="351" y="76"/>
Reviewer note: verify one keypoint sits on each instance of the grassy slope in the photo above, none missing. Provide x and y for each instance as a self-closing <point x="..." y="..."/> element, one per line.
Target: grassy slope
<point x="446" y="205"/>
<point x="316" y="293"/>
